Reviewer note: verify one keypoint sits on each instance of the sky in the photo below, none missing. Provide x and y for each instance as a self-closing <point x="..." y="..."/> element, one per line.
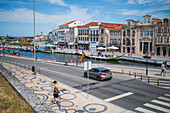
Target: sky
<point x="16" y="16"/>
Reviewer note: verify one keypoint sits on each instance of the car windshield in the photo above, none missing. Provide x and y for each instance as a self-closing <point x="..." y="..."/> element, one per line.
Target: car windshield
<point x="105" y="71"/>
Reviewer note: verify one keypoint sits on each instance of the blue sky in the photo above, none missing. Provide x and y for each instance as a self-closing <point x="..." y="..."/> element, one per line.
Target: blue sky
<point x="16" y="15"/>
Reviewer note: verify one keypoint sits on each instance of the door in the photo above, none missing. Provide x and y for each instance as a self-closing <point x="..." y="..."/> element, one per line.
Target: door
<point x="91" y="73"/>
<point x="145" y="47"/>
<point x="164" y="51"/>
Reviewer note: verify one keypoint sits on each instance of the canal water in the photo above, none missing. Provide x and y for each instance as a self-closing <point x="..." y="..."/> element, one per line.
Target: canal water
<point x="61" y="58"/>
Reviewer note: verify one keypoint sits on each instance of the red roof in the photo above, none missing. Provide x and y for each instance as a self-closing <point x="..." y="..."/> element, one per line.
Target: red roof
<point x="67" y="23"/>
<point x="90" y="24"/>
<point x="55" y="29"/>
<point x="158" y="20"/>
<point x="38" y="36"/>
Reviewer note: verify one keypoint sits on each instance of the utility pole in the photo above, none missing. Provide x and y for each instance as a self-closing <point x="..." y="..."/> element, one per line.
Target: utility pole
<point x="34" y="38"/>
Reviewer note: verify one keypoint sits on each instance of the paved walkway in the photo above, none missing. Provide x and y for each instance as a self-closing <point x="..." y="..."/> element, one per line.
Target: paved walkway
<point x="72" y="100"/>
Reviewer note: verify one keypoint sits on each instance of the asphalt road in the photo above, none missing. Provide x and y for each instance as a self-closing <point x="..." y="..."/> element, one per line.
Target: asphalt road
<point x="122" y="90"/>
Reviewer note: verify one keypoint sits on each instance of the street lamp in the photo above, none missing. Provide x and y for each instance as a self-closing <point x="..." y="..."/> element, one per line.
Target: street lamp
<point x="147" y="57"/>
<point x="34" y="68"/>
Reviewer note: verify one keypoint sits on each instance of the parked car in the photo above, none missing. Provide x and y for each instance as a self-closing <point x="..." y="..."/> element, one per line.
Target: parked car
<point x="99" y="73"/>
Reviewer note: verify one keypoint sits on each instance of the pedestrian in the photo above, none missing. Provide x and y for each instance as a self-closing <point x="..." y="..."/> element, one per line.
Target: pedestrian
<point x="56" y="91"/>
<point x="163" y="69"/>
<point x="66" y="62"/>
<point x="166" y="67"/>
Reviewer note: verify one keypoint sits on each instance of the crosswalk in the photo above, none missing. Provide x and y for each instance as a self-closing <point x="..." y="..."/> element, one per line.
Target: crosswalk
<point x="161" y="104"/>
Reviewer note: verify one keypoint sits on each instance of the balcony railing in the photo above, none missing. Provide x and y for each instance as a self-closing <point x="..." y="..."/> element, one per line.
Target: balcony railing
<point x="101" y="41"/>
<point x="128" y="44"/>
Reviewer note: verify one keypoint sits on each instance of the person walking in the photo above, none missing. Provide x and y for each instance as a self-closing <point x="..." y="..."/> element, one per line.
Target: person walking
<point x="163" y="69"/>
<point x="166" y="67"/>
<point x="56" y="91"/>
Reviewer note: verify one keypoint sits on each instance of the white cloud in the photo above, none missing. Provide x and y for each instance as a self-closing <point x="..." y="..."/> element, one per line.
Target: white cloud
<point x="23" y="15"/>
<point x="59" y="2"/>
<point x="131" y="2"/>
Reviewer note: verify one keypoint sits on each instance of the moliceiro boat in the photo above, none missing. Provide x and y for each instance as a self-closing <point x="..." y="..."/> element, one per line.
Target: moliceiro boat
<point x="14" y="53"/>
<point x="102" y="57"/>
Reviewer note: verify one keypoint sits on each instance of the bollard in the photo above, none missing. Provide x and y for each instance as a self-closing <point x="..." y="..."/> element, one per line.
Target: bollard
<point x="148" y="79"/>
<point x="129" y="73"/>
<point x="135" y="75"/>
<point x="141" y="76"/>
<point x="122" y="71"/>
<point x="158" y="82"/>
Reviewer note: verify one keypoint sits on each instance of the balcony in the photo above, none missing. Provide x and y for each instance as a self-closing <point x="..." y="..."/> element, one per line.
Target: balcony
<point x="159" y="34"/>
<point x="101" y="41"/>
<point x="128" y="44"/>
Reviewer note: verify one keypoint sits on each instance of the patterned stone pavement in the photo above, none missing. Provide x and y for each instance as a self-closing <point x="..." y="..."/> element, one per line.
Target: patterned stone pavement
<point x="72" y="100"/>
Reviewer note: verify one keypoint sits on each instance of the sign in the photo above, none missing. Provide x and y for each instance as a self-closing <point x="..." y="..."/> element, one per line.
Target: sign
<point x="87" y="65"/>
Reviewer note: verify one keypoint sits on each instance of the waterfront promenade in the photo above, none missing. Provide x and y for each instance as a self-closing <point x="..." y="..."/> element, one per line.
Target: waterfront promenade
<point x="42" y="85"/>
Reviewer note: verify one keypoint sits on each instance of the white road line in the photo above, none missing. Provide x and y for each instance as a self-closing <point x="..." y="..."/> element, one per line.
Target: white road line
<point x="144" y="110"/>
<point x="118" y="96"/>
<point x="160" y="102"/>
<point x="157" y="107"/>
<point x="164" y="98"/>
<point x="167" y="95"/>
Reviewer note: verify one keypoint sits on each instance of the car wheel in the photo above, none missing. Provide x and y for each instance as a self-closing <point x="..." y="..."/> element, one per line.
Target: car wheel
<point x="85" y="75"/>
<point x="110" y="78"/>
<point x="98" y="78"/>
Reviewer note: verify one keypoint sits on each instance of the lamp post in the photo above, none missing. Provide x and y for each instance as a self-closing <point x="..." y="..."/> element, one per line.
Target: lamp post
<point x="34" y="38"/>
<point x="147" y="57"/>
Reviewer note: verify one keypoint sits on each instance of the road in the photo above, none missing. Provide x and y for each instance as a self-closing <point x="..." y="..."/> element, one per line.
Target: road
<point x="122" y="90"/>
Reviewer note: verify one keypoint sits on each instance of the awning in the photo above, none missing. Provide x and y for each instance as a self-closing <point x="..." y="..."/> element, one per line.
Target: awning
<point x="50" y="45"/>
<point x="70" y="43"/>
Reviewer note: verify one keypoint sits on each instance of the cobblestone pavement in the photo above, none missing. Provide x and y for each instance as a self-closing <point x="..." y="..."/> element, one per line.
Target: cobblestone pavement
<point x="72" y="100"/>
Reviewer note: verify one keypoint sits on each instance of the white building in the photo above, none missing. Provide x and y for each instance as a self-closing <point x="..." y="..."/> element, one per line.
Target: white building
<point x="68" y="32"/>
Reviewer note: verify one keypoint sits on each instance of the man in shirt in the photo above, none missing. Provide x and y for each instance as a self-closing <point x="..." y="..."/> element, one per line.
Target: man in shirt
<point x="55" y="94"/>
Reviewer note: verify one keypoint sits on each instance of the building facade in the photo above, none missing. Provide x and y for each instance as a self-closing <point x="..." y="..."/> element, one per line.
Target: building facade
<point x="162" y="41"/>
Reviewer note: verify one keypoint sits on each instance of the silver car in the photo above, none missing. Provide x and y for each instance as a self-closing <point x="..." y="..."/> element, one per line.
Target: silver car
<point x="99" y="73"/>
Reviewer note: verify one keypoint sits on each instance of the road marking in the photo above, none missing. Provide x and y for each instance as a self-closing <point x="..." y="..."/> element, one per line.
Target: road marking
<point x="160" y="102"/>
<point x="164" y="98"/>
<point x="144" y="110"/>
<point x="118" y="96"/>
<point x="157" y="107"/>
<point x="167" y="95"/>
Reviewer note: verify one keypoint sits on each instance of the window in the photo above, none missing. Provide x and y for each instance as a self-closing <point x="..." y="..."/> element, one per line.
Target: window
<point x="119" y="33"/>
<point x="102" y="30"/>
<point x="115" y="41"/>
<point x="150" y="46"/>
<point x="102" y="40"/>
<point x="111" y="33"/>
<point x="79" y="38"/>
<point x="128" y="32"/>
<point x="141" y="33"/>
<point x="159" y="39"/>
<point x="145" y="33"/>
<point x="97" y="31"/>
<point x="94" y="33"/>
<point x="149" y="20"/>
<point x="133" y="41"/>
<point x="123" y="49"/>
<point x="159" y="29"/>
<point x="115" y="33"/>
<point x="165" y="40"/>
<point x="123" y="41"/>
<point x="151" y="33"/>
<point x="133" y="33"/>
<point x="83" y="32"/>
<point x="87" y="32"/>
<point x="91" y="39"/>
<point x="79" y="31"/>
<point x="97" y="39"/>
<point x="128" y="23"/>
<point x="83" y="38"/>
<point x="145" y="21"/>
<point x="119" y="41"/>
<point x="91" y="32"/>
<point x="94" y="39"/>
<point x="165" y="29"/>
<point x="87" y="38"/>
<point x="124" y="33"/>
<point x="140" y="46"/>
<point x="111" y="41"/>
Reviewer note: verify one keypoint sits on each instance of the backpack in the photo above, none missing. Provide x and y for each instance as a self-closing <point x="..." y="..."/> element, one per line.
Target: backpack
<point x="56" y="90"/>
